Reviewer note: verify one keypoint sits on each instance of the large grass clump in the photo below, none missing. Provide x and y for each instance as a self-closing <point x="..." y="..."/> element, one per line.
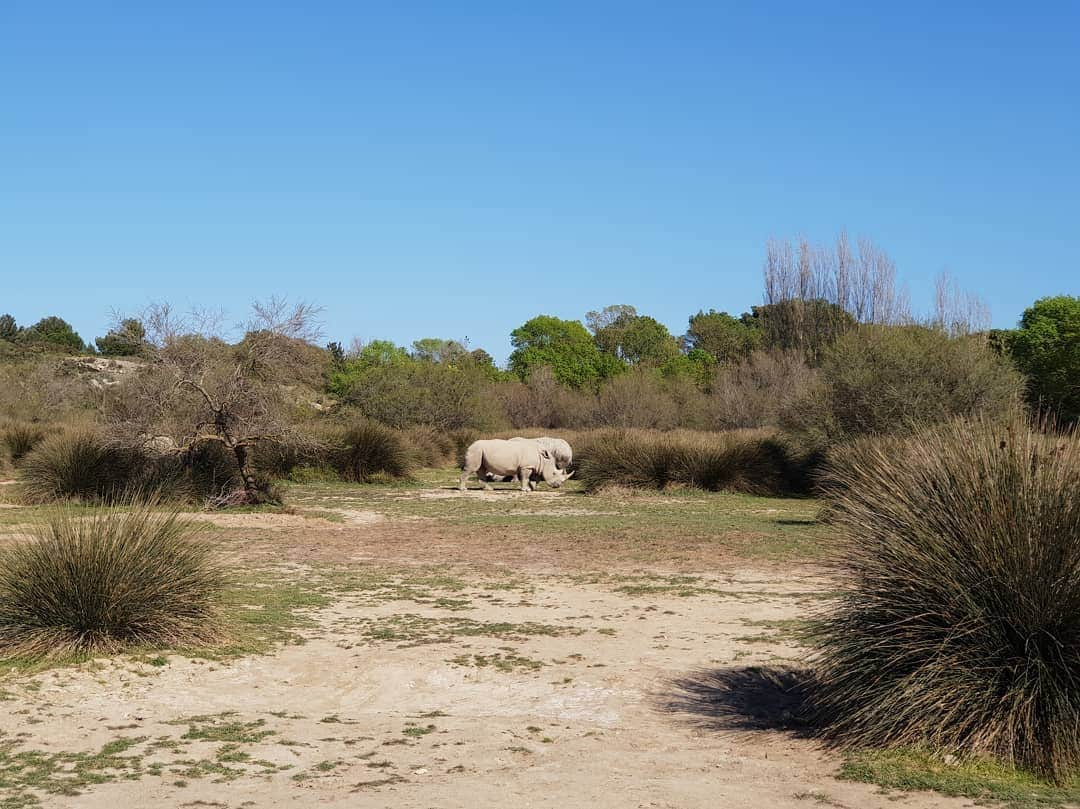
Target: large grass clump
<point x="372" y="452"/>
<point x="958" y="627"/>
<point x="104" y="581"/>
<point x="750" y="461"/>
<point x="20" y="438"/>
<point x="78" y="464"/>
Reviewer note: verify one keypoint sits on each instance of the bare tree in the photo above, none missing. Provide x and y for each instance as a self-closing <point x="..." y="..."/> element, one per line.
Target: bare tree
<point x="956" y="311"/>
<point x="862" y="283"/>
<point x="199" y="388"/>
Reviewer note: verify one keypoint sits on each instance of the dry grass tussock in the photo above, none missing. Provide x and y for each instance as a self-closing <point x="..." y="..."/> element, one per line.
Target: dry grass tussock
<point x="959" y="623"/>
<point x="750" y="461"/>
<point x="20" y="437"/>
<point x="106" y="581"/>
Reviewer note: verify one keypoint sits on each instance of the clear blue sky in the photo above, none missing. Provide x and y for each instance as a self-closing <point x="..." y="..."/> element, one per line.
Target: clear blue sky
<point x="452" y="169"/>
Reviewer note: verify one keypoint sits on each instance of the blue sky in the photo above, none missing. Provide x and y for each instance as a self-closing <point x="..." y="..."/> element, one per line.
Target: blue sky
<point x="452" y="169"/>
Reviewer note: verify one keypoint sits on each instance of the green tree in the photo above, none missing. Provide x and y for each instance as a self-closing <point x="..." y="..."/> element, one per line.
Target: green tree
<point x="608" y="325"/>
<point x="697" y="365"/>
<point x="725" y="338"/>
<point x="1046" y="348"/>
<point x="337" y="354"/>
<point x="435" y="349"/>
<point x="621" y="332"/>
<point x="344" y="376"/>
<point x="128" y="339"/>
<point x="55" y="332"/>
<point x="646" y="340"/>
<point x="9" y="329"/>
<point x="808" y="326"/>
<point x="563" y="345"/>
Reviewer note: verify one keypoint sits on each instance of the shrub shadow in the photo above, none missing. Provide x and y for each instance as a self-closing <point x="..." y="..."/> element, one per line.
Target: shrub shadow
<point x="750" y="698"/>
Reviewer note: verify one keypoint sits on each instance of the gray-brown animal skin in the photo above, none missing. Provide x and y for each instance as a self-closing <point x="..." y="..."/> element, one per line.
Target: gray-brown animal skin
<point x="560" y="449"/>
<point x="500" y="457"/>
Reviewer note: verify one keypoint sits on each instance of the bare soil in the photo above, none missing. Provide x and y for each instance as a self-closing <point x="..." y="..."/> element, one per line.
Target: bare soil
<point x="504" y="668"/>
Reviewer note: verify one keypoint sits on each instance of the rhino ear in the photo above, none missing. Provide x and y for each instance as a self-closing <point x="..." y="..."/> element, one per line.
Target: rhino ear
<point x="545" y="454"/>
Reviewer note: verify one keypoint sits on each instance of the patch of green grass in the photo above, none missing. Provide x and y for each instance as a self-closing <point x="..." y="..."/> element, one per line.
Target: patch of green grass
<point x="204" y="768"/>
<point x="818" y="797"/>
<point x="762" y="638"/>
<point x="417" y="731"/>
<point x="979" y="780"/>
<point x="265" y="612"/>
<point x="379" y="782"/>
<point x="26" y="774"/>
<point x="232" y="754"/>
<point x="260" y="612"/>
<point x="414" y="630"/>
<point x="748" y="526"/>
<point x="221" y="728"/>
<point x="507" y="662"/>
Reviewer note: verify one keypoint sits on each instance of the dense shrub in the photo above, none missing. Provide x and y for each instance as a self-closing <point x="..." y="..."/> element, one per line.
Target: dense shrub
<point x="106" y="581"/>
<point x="543" y="402"/>
<point x="407" y="392"/>
<point x="207" y="474"/>
<point x="431" y="447"/>
<point x="890" y="379"/>
<point x="636" y="399"/>
<point x="371" y="451"/>
<point x="958" y="625"/>
<point x="742" y="461"/>
<point x="20" y="437"/>
<point x="81" y="463"/>
<point x="755" y="393"/>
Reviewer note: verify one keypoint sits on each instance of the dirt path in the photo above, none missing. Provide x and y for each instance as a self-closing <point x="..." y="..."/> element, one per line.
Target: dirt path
<point x="557" y="690"/>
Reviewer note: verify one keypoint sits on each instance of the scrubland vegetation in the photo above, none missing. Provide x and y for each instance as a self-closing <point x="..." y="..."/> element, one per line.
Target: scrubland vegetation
<point x="943" y="451"/>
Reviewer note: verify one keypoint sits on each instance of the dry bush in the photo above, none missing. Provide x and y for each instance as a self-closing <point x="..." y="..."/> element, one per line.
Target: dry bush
<point x="751" y="461"/>
<point x="107" y="581"/>
<point x="754" y="393"/>
<point x="432" y="447"/>
<point x="543" y="402"/>
<point x="958" y="625"/>
<point x="197" y="388"/>
<point x="636" y="399"/>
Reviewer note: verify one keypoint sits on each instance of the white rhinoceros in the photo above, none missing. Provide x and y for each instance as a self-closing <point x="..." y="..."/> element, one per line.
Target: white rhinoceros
<point x="502" y="458"/>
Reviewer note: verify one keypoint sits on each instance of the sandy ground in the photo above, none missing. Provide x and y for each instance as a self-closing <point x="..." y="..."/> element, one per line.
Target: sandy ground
<point x="560" y="688"/>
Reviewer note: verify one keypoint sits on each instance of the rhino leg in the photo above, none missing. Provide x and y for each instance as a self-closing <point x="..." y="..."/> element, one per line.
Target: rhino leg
<point x="524" y="476"/>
